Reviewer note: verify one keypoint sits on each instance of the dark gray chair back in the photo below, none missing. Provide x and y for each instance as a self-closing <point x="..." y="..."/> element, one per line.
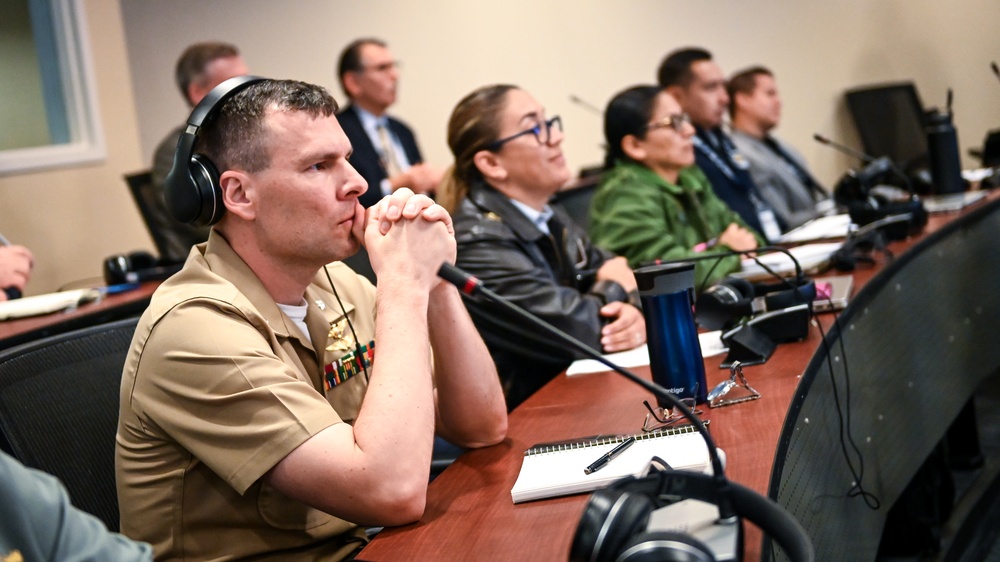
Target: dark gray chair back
<point x="59" y="410"/>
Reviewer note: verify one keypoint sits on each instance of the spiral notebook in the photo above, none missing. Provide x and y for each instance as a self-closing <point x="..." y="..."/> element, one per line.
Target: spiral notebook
<point x="556" y="469"/>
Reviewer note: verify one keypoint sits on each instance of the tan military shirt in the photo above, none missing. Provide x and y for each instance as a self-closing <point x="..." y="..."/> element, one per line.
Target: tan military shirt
<point x="218" y="387"/>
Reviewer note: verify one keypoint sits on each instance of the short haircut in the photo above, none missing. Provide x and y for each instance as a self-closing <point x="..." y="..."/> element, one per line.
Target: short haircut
<point x="628" y="113"/>
<point x="675" y="70"/>
<point x="744" y="82"/>
<point x="235" y="137"/>
<point x="350" y="58"/>
<point x="193" y="61"/>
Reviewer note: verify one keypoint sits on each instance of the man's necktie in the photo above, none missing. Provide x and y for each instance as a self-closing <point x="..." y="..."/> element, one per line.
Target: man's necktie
<point x="389" y="159"/>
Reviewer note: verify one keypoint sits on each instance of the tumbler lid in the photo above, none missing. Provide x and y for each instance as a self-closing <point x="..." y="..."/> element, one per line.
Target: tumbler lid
<point x="665" y="278"/>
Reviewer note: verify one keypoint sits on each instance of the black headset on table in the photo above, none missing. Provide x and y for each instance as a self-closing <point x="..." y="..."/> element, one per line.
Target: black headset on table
<point x="614" y="523"/>
<point x="192" y="190"/>
<point x="722" y="304"/>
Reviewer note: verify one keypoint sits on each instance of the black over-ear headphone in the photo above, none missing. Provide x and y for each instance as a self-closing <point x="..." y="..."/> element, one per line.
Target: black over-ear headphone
<point x="869" y="196"/>
<point x="192" y="190"/>
<point x="136" y="267"/>
<point x="614" y="523"/>
<point x="721" y="305"/>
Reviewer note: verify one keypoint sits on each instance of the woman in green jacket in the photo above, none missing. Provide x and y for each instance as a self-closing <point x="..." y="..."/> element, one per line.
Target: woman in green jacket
<point x="653" y="202"/>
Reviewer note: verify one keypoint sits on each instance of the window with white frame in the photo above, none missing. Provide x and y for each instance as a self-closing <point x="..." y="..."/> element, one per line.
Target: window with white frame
<point x="48" y="105"/>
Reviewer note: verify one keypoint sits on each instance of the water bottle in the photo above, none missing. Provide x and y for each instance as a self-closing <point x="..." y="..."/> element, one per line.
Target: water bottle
<point x="942" y="149"/>
<point x="674" y="351"/>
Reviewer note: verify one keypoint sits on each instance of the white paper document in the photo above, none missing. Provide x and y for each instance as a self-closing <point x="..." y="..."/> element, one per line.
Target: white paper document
<point x="812" y="258"/>
<point x="711" y="344"/>
<point x="557" y="469"/>
<point x="44" y="304"/>
<point x="822" y="228"/>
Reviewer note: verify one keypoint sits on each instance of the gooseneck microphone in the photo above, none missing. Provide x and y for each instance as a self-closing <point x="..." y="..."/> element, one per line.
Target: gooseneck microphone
<point x="471" y="286"/>
<point x="586" y="105"/>
<point x="873" y="166"/>
<point x="732" y="499"/>
<point x="844" y="148"/>
<point x="996" y="69"/>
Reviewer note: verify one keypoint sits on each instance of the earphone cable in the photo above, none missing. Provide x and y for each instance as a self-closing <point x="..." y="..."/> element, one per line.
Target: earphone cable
<point x="357" y="343"/>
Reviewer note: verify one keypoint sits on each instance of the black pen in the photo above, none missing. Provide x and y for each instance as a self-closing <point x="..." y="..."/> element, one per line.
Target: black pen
<point x="606" y="457"/>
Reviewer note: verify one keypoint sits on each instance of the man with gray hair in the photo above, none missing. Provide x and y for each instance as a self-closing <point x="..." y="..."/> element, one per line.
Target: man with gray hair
<point x="201" y="67"/>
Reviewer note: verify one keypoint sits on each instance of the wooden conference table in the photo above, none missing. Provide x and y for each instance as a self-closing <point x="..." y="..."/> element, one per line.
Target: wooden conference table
<point x="470" y="515"/>
<point x="106" y="309"/>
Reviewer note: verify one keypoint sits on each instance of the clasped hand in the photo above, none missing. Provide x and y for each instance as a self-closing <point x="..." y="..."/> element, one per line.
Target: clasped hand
<point x="409" y="235"/>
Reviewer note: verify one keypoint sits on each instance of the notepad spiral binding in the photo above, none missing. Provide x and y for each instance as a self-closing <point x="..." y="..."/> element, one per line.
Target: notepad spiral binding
<point x="599" y="440"/>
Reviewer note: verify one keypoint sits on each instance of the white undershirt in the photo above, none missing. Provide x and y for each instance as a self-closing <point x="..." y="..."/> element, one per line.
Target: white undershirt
<point x="297" y="314"/>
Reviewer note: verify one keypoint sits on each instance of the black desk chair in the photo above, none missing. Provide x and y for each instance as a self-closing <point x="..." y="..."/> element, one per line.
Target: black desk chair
<point x="173" y="239"/>
<point x="575" y="200"/>
<point x="59" y="410"/>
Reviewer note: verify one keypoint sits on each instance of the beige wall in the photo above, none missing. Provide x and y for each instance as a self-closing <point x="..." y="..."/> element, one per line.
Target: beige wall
<point x="73" y="217"/>
<point x="591" y="48"/>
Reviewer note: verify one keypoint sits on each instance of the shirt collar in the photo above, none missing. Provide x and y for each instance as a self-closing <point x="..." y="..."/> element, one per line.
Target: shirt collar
<point x="538" y="218"/>
<point x="369" y="120"/>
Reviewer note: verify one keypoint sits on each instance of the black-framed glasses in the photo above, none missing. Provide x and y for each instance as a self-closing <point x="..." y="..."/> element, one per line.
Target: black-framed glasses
<point x="675" y="122"/>
<point x="658" y="418"/>
<point x="542" y="132"/>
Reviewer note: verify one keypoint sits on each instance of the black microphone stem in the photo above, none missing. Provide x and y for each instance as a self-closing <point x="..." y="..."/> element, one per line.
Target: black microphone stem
<point x="586" y="104"/>
<point x="471" y="286"/>
<point x="752" y="254"/>
<point x="867" y="159"/>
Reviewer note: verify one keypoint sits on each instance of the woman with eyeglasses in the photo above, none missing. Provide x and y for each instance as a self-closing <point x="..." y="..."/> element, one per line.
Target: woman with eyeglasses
<point x="508" y="164"/>
<point x="653" y="203"/>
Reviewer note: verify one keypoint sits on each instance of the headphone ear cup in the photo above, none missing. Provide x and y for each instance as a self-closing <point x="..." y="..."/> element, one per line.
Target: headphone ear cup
<point x="611" y="518"/>
<point x="116" y="268"/>
<point x="208" y="192"/>
<point x="665" y="546"/>
<point x="191" y="189"/>
<point x="721" y="304"/>
<point x="740" y="285"/>
<point x="779" y="295"/>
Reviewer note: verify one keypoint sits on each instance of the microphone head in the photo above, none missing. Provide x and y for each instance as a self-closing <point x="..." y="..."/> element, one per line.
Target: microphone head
<point x="996" y="69"/>
<point x="820" y="138"/>
<point x="466" y="283"/>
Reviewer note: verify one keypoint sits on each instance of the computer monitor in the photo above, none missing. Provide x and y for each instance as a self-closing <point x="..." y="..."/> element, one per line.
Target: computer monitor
<point x="889" y="119"/>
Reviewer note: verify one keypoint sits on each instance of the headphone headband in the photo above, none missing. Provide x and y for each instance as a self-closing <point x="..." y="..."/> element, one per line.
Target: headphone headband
<point x="191" y="190"/>
<point x="634" y="499"/>
<point x="721" y="305"/>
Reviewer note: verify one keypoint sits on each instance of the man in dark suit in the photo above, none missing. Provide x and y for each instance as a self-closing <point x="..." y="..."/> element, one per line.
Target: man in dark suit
<point x="385" y="150"/>
<point x="697" y="83"/>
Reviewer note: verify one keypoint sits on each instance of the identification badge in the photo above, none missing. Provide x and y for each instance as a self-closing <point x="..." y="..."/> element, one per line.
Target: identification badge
<point x="739" y="160"/>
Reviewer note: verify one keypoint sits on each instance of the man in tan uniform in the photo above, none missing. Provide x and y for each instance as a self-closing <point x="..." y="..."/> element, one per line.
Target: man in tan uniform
<point x="258" y="416"/>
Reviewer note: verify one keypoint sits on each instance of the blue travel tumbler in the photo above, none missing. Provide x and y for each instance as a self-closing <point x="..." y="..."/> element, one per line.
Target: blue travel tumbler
<point x="674" y="352"/>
